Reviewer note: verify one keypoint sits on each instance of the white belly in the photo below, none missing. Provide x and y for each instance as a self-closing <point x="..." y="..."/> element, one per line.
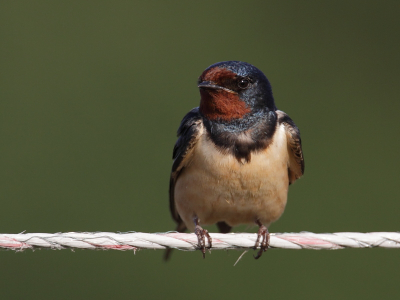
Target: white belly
<point x="216" y="187"/>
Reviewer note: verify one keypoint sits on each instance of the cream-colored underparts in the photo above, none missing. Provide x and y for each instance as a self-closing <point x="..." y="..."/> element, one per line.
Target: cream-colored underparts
<point x="217" y="187"/>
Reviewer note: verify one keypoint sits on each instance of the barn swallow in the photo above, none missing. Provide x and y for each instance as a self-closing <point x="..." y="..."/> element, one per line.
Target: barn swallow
<point x="235" y="156"/>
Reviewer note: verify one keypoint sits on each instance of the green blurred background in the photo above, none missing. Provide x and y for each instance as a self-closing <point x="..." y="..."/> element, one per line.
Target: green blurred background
<point x="92" y="93"/>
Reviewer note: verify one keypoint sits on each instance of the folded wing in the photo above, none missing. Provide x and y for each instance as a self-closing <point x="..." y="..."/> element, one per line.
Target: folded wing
<point x="296" y="159"/>
<point x="188" y="135"/>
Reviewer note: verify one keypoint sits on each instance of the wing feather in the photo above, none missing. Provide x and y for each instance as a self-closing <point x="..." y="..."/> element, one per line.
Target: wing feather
<point x="188" y="135"/>
<point x="296" y="159"/>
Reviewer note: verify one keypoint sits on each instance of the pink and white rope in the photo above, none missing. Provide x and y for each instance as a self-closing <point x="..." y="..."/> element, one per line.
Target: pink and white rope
<point x="188" y="241"/>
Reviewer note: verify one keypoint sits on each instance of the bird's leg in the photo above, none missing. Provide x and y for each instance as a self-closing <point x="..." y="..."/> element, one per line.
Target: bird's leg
<point x="262" y="232"/>
<point x="201" y="235"/>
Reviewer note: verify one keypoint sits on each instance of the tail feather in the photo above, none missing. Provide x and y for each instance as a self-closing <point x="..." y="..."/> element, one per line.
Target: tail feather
<point x="224" y="227"/>
<point x="180" y="228"/>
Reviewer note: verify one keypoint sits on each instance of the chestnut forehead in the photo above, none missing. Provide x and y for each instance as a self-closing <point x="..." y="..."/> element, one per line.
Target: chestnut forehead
<point x="216" y="74"/>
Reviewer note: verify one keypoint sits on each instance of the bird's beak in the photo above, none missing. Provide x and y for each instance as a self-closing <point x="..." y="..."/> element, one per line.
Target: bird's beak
<point x="213" y="86"/>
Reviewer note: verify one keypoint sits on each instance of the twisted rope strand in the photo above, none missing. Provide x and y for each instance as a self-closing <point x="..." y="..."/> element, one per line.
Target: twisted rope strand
<point x="188" y="241"/>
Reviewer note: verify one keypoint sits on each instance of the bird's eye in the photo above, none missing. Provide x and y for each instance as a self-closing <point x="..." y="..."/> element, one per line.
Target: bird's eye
<point x="243" y="83"/>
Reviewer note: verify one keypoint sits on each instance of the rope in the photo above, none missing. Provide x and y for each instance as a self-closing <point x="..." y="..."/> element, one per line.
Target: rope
<point x="188" y="241"/>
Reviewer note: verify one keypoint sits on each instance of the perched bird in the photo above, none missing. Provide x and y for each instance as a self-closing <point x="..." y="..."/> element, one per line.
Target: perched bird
<point x="235" y="156"/>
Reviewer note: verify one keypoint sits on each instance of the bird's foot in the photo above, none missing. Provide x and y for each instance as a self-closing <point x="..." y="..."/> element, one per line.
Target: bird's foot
<point x="201" y="237"/>
<point x="262" y="232"/>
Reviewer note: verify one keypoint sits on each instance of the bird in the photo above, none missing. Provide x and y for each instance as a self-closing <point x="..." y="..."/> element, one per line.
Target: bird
<point x="235" y="156"/>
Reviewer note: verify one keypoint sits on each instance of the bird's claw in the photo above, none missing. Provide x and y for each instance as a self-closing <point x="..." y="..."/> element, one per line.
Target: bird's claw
<point x="201" y="237"/>
<point x="262" y="232"/>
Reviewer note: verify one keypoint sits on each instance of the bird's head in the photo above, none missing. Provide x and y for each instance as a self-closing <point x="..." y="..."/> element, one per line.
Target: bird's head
<point x="233" y="89"/>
